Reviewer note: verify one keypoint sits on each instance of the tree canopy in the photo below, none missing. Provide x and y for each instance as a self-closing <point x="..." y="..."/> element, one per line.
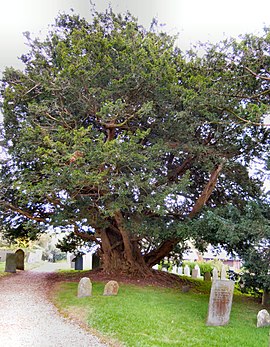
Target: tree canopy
<point x="114" y="133"/>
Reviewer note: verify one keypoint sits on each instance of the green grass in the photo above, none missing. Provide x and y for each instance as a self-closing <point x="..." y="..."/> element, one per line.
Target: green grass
<point x="148" y="316"/>
<point x="2" y="269"/>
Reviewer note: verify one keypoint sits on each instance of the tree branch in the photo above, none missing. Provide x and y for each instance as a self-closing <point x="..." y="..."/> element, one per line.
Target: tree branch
<point x="207" y="191"/>
<point x="23" y="213"/>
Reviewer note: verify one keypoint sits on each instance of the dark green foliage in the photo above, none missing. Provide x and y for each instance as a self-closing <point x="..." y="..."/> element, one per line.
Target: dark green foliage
<point x="246" y="233"/>
<point x="111" y="129"/>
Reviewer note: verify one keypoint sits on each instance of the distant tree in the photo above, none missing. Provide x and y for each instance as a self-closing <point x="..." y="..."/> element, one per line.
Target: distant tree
<point x="112" y="131"/>
<point x="244" y="232"/>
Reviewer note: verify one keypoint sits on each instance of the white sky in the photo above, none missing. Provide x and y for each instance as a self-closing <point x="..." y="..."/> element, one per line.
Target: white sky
<point x="193" y="19"/>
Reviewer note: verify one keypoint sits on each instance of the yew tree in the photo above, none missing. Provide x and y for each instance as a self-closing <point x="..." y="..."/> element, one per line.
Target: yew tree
<point x="113" y="133"/>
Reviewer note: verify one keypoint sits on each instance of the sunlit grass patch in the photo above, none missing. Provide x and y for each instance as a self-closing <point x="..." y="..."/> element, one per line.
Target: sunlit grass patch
<point x="150" y="316"/>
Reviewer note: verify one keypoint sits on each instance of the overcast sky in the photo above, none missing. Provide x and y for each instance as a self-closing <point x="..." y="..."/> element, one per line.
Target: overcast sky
<point x="193" y="19"/>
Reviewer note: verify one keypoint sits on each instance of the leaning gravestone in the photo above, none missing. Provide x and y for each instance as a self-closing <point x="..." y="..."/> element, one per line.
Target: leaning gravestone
<point x="111" y="288"/>
<point x="20" y="259"/>
<point x="220" y="302"/>
<point x="10" y="262"/>
<point x="263" y="319"/>
<point x="84" y="287"/>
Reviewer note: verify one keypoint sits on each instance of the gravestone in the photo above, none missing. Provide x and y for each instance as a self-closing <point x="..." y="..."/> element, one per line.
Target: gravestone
<point x="263" y="319"/>
<point x="180" y="270"/>
<point x="78" y="262"/>
<point x="111" y="288"/>
<point x="194" y="273"/>
<point x="220" y="302"/>
<point x="223" y="273"/>
<point x="174" y="270"/>
<point x="187" y="270"/>
<point x="207" y="276"/>
<point x="198" y="270"/>
<point x="215" y="274"/>
<point x="185" y="289"/>
<point x="10" y="262"/>
<point x="20" y="259"/>
<point x="84" y="287"/>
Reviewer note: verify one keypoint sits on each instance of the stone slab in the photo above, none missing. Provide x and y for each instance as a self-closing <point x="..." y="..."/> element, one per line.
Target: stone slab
<point x="263" y="319"/>
<point x="84" y="287"/>
<point x="111" y="288"/>
<point x="10" y="262"/>
<point x="20" y="255"/>
<point x="220" y="302"/>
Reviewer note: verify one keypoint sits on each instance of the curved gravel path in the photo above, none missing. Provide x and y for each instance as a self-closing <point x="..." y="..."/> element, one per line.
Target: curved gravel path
<point x="28" y="319"/>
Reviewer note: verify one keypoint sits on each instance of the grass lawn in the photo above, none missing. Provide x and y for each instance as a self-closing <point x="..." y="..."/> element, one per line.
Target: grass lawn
<point x="150" y="316"/>
<point x="2" y="269"/>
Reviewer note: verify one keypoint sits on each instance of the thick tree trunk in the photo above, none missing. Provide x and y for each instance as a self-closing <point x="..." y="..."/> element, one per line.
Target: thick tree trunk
<point x="159" y="253"/>
<point x="119" y="253"/>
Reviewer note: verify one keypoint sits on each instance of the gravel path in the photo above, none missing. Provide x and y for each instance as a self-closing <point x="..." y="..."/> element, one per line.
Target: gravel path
<point x="28" y="319"/>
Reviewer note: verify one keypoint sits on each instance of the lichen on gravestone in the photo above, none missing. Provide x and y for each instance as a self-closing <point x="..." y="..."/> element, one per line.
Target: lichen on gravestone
<point x="220" y="302"/>
<point x="263" y="319"/>
<point x="111" y="288"/>
<point x="84" y="287"/>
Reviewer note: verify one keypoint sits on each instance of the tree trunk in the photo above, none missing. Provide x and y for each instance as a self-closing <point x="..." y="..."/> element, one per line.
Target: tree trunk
<point x="266" y="297"/>
<point x="119" y="254"/>
<point x="155" y="256"/>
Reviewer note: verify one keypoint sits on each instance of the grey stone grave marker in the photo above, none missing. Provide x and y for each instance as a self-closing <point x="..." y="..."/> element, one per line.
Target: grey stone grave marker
<point x="10" y="262"/>
<point x="180" y="270"/>
<point x="20" y="259"/>
<point x="194" y="273"/>
<point x="187" y="270"/>
<point x="220" y="302"/>
<point x="84" y="287"/>
<point x="263" y="319"/>
<point x="111" y="288"/>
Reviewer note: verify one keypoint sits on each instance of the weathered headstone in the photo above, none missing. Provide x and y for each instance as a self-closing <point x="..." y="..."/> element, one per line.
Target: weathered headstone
<point x="84" y="287"/>
<point x="185" y="289"/>
<point x="220" y="302"/>
<point x="20" y="259"/>
<point x="194" y="273"/>
<point x="263" y="319"/>
<point x="10" y="262"/>
<point x="207" y="276"/>
<point x="223" y="273"/>
<point x="215" y="274"/>
<point x="187" y="270"/>
<point x="111" y="288"/>
<point x="198" y="270"/>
